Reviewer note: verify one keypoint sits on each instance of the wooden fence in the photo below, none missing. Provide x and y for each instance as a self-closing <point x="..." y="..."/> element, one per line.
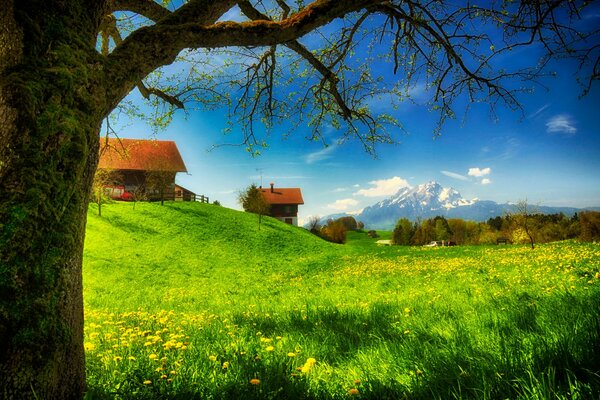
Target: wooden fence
<point x="185" y="197"/>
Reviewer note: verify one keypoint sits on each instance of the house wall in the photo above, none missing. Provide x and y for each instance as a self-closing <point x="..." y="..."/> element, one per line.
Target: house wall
<point x="289" y="220"/>
<point x="284" y="210"/>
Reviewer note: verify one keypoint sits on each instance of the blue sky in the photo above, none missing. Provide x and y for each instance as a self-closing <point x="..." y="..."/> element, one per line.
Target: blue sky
<point x="549" y="154"/>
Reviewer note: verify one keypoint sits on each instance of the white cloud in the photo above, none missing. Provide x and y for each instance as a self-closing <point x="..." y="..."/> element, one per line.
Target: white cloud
<point x="383" y="187"/>
<point x="343" y="204"/>
<point x="561" y="123"/>
<point x="320" y="155"/>
<point x="455" y="175"/>
<point x="486" y="181"/>
<point x="339" y="190"/>
<point x="479" y="172"/>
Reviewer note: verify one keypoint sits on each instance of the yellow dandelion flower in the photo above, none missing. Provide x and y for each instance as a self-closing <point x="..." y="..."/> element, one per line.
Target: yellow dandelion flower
<point x="278" y="338"/>
<point x="89" y="346"/>
<point x="353" y="392"/>
<point x="226" y="365"/>
<point x="131" y="358"/>
<point x="117" y="358"/>
<point x="147" y="382"/>
<point x="255" y="381"/>
<point x="290" y="354"/>
<point x="153" y="356"/>
<point x="270" y="348"/>
<point x="173" y="372"/>
<point x="212" y="358"/>
<point x="163" y="376"/>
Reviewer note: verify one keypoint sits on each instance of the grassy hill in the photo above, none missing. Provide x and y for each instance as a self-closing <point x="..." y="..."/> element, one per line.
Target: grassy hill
<point x="180" y="246"/>
<point x="193" y="301"/>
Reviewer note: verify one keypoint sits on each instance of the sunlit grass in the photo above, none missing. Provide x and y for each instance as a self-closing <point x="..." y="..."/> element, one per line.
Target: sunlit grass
<point x="193" y="301"/>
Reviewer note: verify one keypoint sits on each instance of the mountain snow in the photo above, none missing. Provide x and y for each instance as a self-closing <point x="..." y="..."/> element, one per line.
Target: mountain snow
<point x="429" y="200"/>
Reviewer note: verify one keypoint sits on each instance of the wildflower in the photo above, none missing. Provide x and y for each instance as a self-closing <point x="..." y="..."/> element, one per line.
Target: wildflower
<point x="89" y="346"/>
<point x="163" y="376"/>
<point x="212" y="358"/>
<point x="131" y="358"/>
<point x="308" y="365"/>
<point x="153" y="356"/>
<point x="353" y="392"/>
<point x="226" y="365"/>
<point x="147" y="382"/>
<point x="255" y="381"/>
<point x="117" y="358"/>
<point x="290" y="354"/>
<point x="270" y="348"/>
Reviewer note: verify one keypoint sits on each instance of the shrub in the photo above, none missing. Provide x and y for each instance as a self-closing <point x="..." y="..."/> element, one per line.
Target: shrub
<point x="334" y="231"/>
<point x="349" y="223"/>
<point x="590" y="226"/>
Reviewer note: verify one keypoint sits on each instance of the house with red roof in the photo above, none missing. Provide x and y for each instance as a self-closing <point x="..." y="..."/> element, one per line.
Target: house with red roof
<point x="284" y="203"/>
<point x="134" y="159"/>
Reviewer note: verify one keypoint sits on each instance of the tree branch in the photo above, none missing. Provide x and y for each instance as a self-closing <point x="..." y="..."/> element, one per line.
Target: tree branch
<point x="148" y="8"/>
<point x="151" y="47"/>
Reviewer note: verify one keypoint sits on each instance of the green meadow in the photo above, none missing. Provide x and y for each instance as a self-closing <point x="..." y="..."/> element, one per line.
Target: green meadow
<point x="193" y="301"/>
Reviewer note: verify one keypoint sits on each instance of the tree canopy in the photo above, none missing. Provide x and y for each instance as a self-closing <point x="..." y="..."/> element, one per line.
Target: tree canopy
<point x="325" y="63"/>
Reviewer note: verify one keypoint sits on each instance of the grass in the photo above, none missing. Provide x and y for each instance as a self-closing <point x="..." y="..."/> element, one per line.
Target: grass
<point x="193" y="301"/>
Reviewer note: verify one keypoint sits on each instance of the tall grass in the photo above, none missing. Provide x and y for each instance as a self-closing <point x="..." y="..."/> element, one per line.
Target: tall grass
<point x="192" y="301"/>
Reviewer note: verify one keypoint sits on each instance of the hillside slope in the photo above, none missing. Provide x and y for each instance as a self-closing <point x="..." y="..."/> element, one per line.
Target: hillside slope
<point x="179" y="245"/>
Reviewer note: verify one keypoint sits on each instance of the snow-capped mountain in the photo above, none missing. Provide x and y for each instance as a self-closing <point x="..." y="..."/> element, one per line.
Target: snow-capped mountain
<point x="422" y="201"/>
<point x="431" y="199"/>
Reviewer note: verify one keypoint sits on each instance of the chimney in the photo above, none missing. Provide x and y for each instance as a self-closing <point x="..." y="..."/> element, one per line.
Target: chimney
<point x="272" y="184"/>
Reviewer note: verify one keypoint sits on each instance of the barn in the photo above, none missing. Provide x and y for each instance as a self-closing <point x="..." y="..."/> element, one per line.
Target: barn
<point x="146" y="165"/>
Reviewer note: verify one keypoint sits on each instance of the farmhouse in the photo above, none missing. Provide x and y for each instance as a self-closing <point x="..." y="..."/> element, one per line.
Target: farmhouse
<point x="148" y="166"/>
<point x="284" y="203"/>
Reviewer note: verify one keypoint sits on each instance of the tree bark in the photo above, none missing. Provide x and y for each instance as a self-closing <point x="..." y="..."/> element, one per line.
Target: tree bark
<point x="50" y="115"/>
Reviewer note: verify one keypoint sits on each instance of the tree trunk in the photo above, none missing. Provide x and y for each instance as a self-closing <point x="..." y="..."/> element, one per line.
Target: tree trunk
<point x="50" y="114"/>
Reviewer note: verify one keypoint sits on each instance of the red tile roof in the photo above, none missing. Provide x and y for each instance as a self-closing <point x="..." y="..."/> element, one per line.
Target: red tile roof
<point x="283" y="195"/>
<point x="141" y="155"/>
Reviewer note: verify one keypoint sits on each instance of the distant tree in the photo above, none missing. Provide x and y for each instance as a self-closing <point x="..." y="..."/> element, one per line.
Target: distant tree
<point x="590" y="225"/>
<point x="442" y="229"/>
<point x="216" y="203"/>
<point x="252" y="200"/>
<point x="138" y="193"/>
<point x="458" y="227"/>
<point x="334" y="231"/>
<point x="403" y="232"/>
<point x="523" y="220"/>
<point x="495" y="223"/>
<point x="159" y="185"/>
<point x="314" y="224"/>
<point x="349" y="223"/>
<point x="103" y="179"/>
<point x="424" y="232"/>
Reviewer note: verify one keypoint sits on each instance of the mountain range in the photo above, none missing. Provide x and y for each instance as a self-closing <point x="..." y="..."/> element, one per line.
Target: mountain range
<point x="431" y="199"/>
